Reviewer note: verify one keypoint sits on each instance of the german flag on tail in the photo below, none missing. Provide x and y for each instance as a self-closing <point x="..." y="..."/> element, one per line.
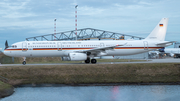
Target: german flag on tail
<point x="160" y="25"/>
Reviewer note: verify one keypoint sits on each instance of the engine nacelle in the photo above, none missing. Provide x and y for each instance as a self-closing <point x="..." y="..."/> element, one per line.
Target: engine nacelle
<point x="75" y="57"/>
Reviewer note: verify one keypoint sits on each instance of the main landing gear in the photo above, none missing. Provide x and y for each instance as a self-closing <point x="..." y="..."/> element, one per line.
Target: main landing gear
<point x="93" y="61"/>
<point x="24" y="61"/>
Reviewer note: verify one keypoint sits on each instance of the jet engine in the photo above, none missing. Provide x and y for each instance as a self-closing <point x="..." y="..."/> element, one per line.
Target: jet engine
<point x="75" y="57"/>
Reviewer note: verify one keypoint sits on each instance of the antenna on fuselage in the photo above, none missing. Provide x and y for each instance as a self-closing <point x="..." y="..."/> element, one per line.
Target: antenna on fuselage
<point x="76" y="21"/>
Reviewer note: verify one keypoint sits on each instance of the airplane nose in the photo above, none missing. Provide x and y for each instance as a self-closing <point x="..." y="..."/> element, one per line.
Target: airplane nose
<point x="6" y="53"/>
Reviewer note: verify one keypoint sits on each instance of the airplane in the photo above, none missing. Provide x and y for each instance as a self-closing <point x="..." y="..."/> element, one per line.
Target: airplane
<point x="174" y="52"/>
<point x="88" y="50"/>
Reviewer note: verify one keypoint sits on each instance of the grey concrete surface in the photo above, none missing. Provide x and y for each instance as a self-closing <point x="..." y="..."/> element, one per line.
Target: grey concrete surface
<point x="169" y="60"/>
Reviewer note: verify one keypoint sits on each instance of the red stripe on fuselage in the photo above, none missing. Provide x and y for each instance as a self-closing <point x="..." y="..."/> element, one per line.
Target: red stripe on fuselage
<point x="82" y="48"/>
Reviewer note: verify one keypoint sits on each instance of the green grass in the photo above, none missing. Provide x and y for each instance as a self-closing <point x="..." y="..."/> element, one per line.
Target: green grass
<point x="99" y="73"/>
<point x="4" y="86"/>
<point x="86" y="74"/>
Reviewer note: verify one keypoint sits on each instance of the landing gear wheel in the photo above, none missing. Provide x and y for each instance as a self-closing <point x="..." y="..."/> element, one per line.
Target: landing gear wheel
<point x="93" y="61"/>
<point x="87" y="61"/>
<point x="24" y="62"/>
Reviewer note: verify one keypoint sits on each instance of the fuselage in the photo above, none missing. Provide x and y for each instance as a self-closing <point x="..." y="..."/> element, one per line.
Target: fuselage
<point x="63" y="48"/>
<point x="172" y="50"/>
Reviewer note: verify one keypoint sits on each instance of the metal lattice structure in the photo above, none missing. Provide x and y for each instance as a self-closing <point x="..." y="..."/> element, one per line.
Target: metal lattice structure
<point x="83" y="34"/>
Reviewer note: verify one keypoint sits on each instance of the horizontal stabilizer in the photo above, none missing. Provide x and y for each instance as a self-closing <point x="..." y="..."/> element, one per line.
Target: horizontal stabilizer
<point x="164" y="43"/>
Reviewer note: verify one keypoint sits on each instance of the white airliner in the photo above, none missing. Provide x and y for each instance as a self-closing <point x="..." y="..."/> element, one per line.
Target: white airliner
<point x="87" y="50"/>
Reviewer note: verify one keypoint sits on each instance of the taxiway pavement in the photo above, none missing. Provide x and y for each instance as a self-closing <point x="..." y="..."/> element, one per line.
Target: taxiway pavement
<point x="170" y="60"/>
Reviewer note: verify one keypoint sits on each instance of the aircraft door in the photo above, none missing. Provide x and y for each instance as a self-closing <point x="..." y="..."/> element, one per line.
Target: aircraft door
<point x="101" y="44"/>
<point x="59" y="46"/>
<point x="145" y="45"/>
<point x="24" y="46"/>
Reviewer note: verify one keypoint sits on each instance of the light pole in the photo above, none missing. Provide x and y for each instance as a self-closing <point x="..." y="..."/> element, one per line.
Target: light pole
<point x="76" y="20"/>
<point x="55" y="29"/>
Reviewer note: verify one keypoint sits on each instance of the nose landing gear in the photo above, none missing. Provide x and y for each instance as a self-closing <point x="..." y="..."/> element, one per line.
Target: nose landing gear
<point x="24" y="62"/>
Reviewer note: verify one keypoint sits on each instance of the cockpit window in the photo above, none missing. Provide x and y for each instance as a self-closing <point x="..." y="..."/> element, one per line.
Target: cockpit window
<point x="14" y="46"/>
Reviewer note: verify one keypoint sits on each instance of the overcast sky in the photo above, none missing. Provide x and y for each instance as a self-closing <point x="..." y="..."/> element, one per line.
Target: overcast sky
<point x="20" y="19"/>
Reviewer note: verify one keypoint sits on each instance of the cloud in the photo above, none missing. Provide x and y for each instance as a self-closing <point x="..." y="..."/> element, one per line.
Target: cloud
<point x="133" y="6"/>
<point x="86" y="10"/>
<point x="11" y="9"/>
<point x="19" y="15"/>
<point x="145" y="3"/>
<point x="74" y="3"/>
<point x="13" y="6"/>
<point x="117" y="15"/>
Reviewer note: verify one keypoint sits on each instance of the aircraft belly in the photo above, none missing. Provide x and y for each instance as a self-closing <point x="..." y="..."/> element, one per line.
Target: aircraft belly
<point x="55" y="53"/>
<point x="121" y="52"/>
<point x="37" y="53"/>
<point x="45" y="53"/>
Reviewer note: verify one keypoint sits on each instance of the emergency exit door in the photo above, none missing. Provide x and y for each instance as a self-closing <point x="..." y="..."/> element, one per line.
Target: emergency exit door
<point x="24" y="46"/>
<point x="59" y="46"/>
<point x="145" y="45"/>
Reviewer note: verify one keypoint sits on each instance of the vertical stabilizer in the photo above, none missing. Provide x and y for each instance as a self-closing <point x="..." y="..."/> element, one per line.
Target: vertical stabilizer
<point x="159" y="31"/>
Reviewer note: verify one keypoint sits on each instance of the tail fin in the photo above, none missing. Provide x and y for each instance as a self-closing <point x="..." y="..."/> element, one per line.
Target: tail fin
<point x="159" y="31"/>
